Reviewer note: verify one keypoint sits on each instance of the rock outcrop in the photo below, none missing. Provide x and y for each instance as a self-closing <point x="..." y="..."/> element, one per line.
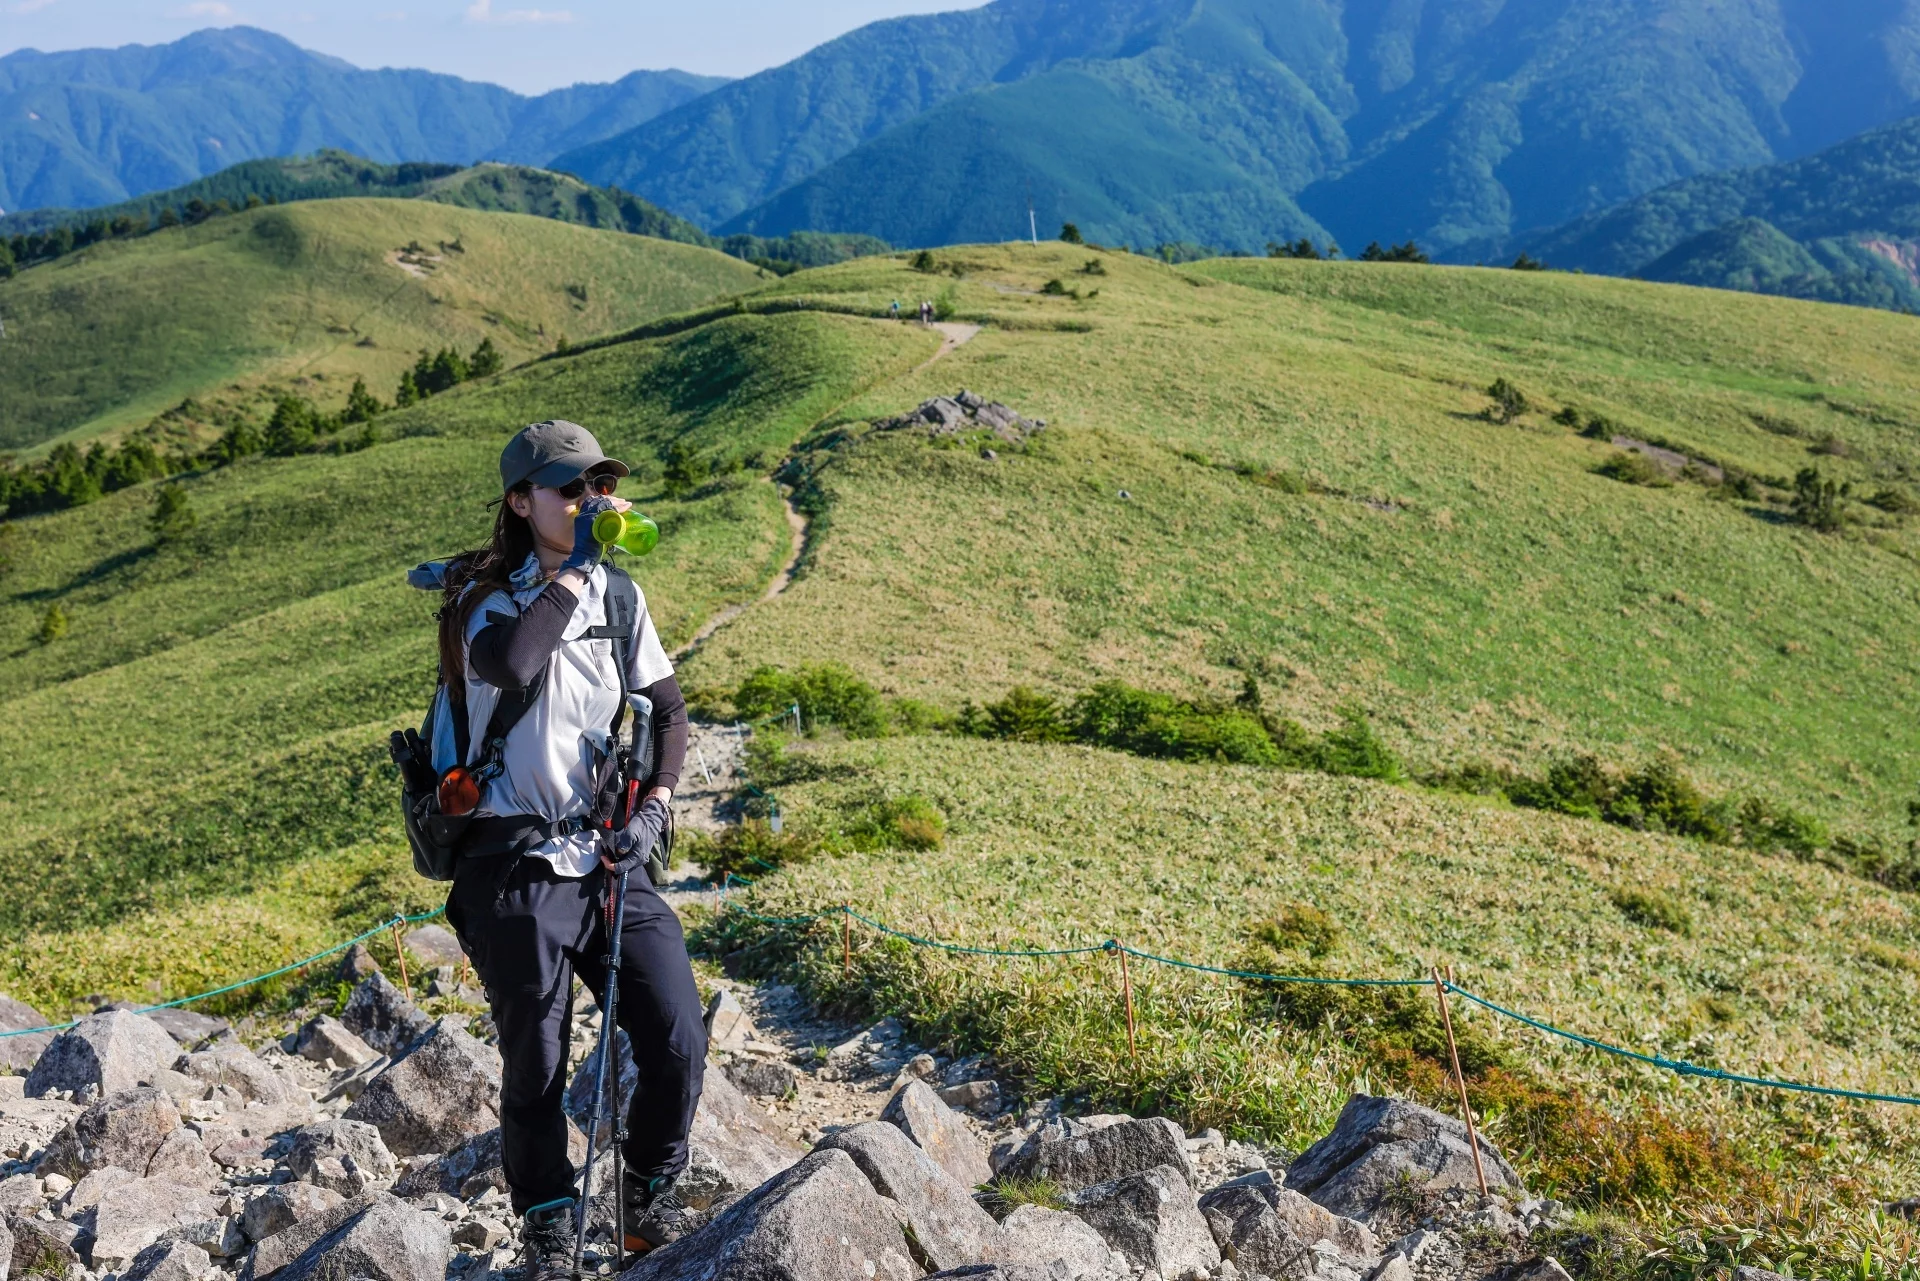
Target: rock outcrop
<point x="103" y="1053"/>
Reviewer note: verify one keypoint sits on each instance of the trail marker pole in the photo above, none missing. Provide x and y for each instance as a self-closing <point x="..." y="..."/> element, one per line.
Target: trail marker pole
<point x="1126" y="988"/>
<point x="400" y="951"/>
<point x="1453" y="1053"/>
<point x="846" y="942"/>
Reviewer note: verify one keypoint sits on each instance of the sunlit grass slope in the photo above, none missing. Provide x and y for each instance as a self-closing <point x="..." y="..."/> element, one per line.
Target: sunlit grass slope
<point x="311" y="296"/>
<point x="1477" y="588"/>
<point x="1766" y="966"/>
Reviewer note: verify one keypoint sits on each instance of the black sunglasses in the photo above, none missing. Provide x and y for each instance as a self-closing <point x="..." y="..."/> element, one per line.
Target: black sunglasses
<point x="604" y="484"/>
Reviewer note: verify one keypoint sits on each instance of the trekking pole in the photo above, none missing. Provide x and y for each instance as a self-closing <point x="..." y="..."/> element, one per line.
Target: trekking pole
<point x="400" y="951"/>
<point x="616" y="917"/>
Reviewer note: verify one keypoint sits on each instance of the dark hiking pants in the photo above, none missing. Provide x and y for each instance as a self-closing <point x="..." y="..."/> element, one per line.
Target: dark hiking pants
<point x="529" y="931"/>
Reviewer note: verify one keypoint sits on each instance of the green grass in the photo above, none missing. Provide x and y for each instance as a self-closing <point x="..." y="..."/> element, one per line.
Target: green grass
<point x="307" y="296"/>
<point x="1784" y="973"/>
<point x="196" y="785"/>
<point x="1477" y="589"/>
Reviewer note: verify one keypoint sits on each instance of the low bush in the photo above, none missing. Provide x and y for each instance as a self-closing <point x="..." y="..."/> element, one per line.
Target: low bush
<point x="1300" y="927"/>
<point x="1655" y="909"/>
<point x="827" y="694"/>
<point x="1115" y="715"/>
<point x="1021" y="715"/>
<point x="1633" y="468"/>
<point x="747" y="849"/>
<point x="1508" y="401"/>
<point x="904" y="822"/>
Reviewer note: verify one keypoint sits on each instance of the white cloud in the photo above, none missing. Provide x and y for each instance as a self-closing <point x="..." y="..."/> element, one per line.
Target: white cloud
<point x="482" y="11"/>
<point x="202" y="9"/>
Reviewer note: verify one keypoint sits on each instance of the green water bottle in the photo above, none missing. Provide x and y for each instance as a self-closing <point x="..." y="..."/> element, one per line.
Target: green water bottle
<point x="629" y="531"/>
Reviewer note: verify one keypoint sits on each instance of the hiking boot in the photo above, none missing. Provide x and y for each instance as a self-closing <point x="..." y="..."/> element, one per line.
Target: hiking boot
<point x="546" y="1241"/>
<point x="652" y="1211"/>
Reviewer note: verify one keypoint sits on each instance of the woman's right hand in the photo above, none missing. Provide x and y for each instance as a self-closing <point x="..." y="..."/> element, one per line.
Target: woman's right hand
<point x="586" y="548"/>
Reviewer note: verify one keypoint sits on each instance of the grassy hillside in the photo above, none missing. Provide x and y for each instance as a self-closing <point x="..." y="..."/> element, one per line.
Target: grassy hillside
<point x="1780" y="969"/>
<point x="1477" y="588"/>
<point x="311" y="296"/>
<point x="1267" y="472"/>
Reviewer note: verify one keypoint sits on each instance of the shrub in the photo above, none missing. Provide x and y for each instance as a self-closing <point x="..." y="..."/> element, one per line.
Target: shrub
<point x="1568" y="416"/>
<point x="1116" y="715"/>
<point x="912" y="716"/>
<point x="1021" y="715"/>
<point x="1816" y="500"/>
<point x="1094" y="267"/>
<point x="1301" y="248"/>
<point x="1355" y="750"/>
<point x="1300" y="927"/>
<point x="1654" y="909"/>
<point x="1775" y="829"/>
<point x="53" y="625"/>
<point x="684" y="470"/>
<point x="827" y="694"/>
<point x="907" y="822"/>
<point x="923" y="262"/>
<point x="1071" y="234"/>
<point x="173" y="517"/>
<point x="1577" y="785"/>
<point x="1527" y="262"/>
<point x="361" y="405"/>
<point x="1054" y="289"/>
<point x="293" y="426"/>
<point x="945" y="303"/>
<point x="1600" y="427"/>
<point x="1633" y="468"/>
<point x="748" y="850"/>
<point x="1475" y="778"/>
<point x="1508" y="401"/>
<point x="1408" y="252"/>
<point x="1659" y="797"/>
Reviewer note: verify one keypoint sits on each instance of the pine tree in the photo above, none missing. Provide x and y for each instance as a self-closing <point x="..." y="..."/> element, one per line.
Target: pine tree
<point x="1070" y="232"/>
<point x="486" y="360"/>
<point x="361" y="406"/>
<point x="54" y="625"/>
<point x="408" y="393"/>
<point x="292" y="427"/>
<point x="173" y="517"/>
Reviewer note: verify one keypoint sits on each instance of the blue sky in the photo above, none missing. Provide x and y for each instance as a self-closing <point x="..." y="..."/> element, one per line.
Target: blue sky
<point x="528" y="45"/>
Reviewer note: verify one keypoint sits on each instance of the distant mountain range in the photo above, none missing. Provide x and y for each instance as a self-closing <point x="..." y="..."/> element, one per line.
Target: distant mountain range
<point x="1468" y="125"/>
<point x="96" y="126"/>
<point x="1842" y="225"/>
<point x="1230" y="122"/>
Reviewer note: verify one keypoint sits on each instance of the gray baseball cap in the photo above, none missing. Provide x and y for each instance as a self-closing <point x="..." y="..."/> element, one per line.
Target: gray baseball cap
<point x="552" y="453"/>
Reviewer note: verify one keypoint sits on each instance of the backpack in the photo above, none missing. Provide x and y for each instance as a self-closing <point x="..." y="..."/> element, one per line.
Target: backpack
<point x="438" y="840"/>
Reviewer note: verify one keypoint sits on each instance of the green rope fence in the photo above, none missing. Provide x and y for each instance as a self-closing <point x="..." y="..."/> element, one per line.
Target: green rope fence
<point x="1679" y="1067"/>
<point x="392" y="922"/>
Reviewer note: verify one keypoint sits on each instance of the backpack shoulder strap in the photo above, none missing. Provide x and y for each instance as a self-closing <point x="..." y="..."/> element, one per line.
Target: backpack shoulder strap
<point x="622" y="606"/>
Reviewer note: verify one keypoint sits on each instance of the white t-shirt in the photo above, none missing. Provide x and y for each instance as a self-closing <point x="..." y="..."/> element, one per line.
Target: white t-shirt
<point x="551" y="753"/>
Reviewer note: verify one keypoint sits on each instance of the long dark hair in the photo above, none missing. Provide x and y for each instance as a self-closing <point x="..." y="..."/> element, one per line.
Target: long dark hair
<point x="486" y="570"/>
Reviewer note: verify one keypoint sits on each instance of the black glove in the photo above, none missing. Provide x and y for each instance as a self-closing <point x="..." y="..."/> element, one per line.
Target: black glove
<point x="586" y="548"/>
<point x="632" y="843"/>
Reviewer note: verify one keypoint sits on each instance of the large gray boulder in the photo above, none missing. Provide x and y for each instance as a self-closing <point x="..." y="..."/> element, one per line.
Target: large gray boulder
<point x="445" y="1091"/>
<point x="1272" y="1230"/>
<point x="380" y="1014"/>
<point x="234" y="1066"/>
<point x="282" y="1206"/>
<point x="436" y="945"/>
<point x="168" y="1261"/>
<point x="1081" y="1152"/>
<point x="1062" y="1243"/>
<point x="1150" y="1217"/>
<point x="182" y="1158"/>
<point x="18" y="1054"/>
<point x="324" y="1037"/>
<point x="134" y="1215"/>
<point x="124" y="1129"/>
<point x="817" y="1221"/>
<point x="186" y="1027"/>
<point x="950" y="1226"/>
<point x="1381" y="1144"/>
<point x="37" y="1252"/>
<point x="344" y="1156"/>
<point x="112" y="1051"/>
<point x="388" y="1240"/>
<point x="939" y="1132"/>
<point x="273" y="1253"/>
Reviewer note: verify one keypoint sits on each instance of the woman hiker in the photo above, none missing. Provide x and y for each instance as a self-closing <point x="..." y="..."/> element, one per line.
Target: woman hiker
<point x="521" y="612"/>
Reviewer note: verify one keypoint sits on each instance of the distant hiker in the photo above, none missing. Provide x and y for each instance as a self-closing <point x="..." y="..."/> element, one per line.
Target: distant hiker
<point x="537" y="610"/>
<point x="896" y="309"/>
<point x="926" y="311"/>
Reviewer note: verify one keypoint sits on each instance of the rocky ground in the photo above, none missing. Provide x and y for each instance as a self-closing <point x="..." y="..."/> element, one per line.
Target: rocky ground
<point x="364" y="1143"/>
